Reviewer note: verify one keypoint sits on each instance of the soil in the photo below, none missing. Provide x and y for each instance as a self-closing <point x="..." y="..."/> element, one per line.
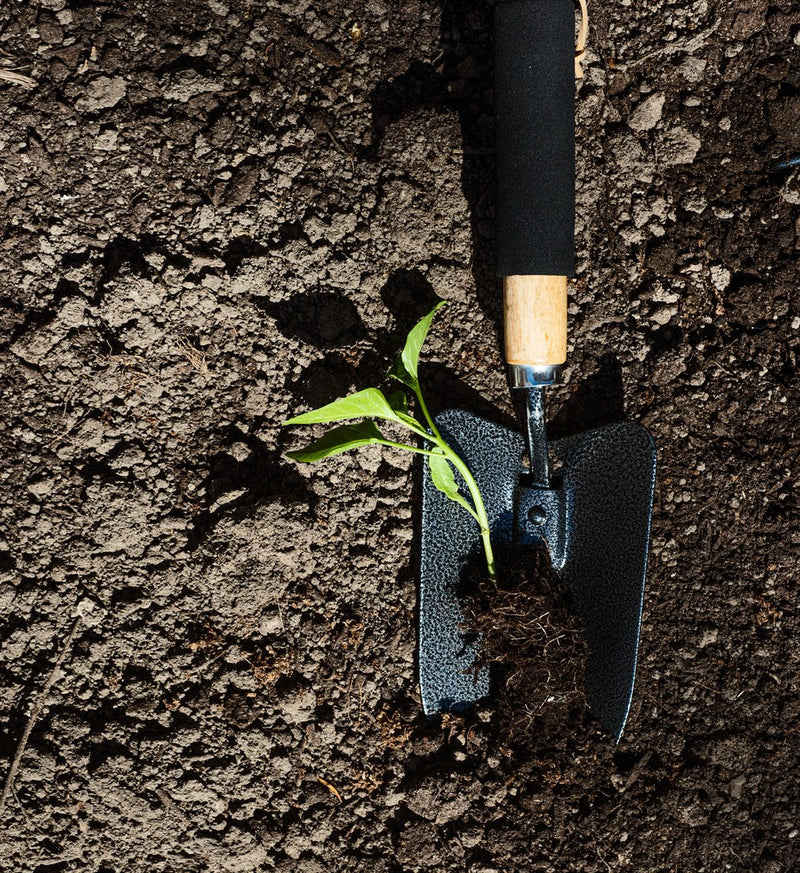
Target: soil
<point x="531" y="640"/>
<point x="217" y="214"/>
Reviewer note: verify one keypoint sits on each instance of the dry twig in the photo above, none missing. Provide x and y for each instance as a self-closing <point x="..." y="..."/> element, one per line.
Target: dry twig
<point x="36" y="712"/>
<point x="17" y="78"/>
<point x="332" y="788"/>
<point x="196" y="358"/>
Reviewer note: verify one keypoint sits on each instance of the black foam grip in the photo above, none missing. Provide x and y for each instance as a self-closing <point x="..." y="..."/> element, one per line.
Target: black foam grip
<point x="534" y="106"/>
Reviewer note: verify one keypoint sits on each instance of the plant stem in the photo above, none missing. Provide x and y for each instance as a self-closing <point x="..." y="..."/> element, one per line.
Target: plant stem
<point x="408" y="448"/>
<point x="424" y="408"/>
<point x="477" y="502"/>
<point x="474" y="492"/>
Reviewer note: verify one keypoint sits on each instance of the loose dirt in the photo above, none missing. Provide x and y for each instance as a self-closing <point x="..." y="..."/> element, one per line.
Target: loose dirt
<point x="217" y="214"/>
<point x="531" y="640"/>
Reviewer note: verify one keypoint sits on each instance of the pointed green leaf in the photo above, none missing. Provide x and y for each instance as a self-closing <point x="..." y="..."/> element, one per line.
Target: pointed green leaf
<point x="340" y="439"/>
<point x="444" y="479"/>
<point x="369" y="403"/>
<point x="415" y="341"/>
<point x="398" y="400"/>
<point x="400" y="373"/>
<point x="406" y="367"/>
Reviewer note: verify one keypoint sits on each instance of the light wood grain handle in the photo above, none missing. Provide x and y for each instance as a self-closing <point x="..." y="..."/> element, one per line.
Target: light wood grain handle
<point x="535" y="316"/>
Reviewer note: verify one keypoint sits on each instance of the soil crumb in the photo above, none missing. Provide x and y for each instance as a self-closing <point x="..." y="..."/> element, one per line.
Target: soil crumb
<point x="533" y="641"/>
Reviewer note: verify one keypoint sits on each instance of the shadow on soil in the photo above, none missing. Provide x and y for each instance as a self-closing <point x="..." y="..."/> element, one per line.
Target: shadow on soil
<point x="261" y="477"/>
<point x="596" y="401"/>
<point x="459" y="79"/>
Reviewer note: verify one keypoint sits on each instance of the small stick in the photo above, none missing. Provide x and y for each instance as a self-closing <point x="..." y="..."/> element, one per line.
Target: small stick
<point x="35" y="712"/>
<point x="17" y="78"/>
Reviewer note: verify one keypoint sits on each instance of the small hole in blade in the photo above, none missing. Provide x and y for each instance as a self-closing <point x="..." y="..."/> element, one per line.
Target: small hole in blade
<point x="537" y="515"/>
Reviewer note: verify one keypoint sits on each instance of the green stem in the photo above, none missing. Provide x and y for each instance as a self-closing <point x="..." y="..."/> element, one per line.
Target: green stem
<point x="477" y="502"/>
<point x="424" y="408"/>
<point x="407" y="448"/>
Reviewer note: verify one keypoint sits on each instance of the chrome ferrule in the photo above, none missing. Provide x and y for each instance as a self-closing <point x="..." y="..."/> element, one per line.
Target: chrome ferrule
<point x="534" y="376"/>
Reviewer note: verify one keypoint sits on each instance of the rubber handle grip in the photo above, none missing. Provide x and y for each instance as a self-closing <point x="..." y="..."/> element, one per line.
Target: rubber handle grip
<point x="534" y="106"/>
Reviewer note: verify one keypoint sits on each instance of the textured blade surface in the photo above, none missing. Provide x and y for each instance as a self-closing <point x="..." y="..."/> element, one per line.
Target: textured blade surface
<point x="607" y="477"/>
<point x="451" y="545"/>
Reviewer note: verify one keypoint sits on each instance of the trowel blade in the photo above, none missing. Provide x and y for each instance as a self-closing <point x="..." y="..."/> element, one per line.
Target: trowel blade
<point x="598" y="545"/>
<point x="451" y="547"/>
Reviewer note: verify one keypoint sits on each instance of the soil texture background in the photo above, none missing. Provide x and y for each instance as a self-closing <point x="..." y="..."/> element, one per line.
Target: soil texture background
<point x="214" y="215"/>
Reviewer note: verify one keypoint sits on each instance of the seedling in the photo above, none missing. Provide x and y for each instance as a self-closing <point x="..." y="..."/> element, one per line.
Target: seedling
<point x="372" y="405"/>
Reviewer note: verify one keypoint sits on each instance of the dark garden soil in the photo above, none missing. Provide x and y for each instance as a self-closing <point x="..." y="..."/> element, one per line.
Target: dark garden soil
<point x="216" y="214"/>
<point x="533" y="645"/>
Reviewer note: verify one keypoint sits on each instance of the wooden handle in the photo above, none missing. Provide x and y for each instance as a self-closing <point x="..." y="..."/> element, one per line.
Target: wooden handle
<point x="535" y="315"/>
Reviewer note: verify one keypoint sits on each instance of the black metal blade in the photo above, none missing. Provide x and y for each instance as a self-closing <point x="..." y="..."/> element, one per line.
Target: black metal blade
<point x="451" y="548"/>
<point x="597" y="528"/>
<point x="608" y="478"/>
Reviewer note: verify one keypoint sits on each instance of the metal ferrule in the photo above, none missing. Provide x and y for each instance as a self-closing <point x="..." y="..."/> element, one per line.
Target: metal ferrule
<point x="528" y="376"/>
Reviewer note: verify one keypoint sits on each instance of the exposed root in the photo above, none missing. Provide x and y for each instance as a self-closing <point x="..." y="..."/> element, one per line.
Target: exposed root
<point x="535" y="642"/>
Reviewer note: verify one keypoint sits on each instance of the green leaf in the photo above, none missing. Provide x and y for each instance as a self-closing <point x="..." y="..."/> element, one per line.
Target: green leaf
<point x="444" y="479"/>
<point x="411" y="422"/>
<point x="340" y="439"/>
<point x="398" y="400"/>
<point x="400" y="373"/>
<point x="369" y="403"/>
<point x="406" y="367"/>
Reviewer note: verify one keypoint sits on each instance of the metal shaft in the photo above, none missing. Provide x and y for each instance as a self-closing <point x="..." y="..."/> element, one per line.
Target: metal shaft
<point x="536" y="433"/>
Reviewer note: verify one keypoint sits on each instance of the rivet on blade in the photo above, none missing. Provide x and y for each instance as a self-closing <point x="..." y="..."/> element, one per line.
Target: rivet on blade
<point x="537" y="515"/>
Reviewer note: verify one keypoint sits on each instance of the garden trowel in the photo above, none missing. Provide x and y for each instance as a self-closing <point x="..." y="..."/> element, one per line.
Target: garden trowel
<point x="587" y="498"/>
